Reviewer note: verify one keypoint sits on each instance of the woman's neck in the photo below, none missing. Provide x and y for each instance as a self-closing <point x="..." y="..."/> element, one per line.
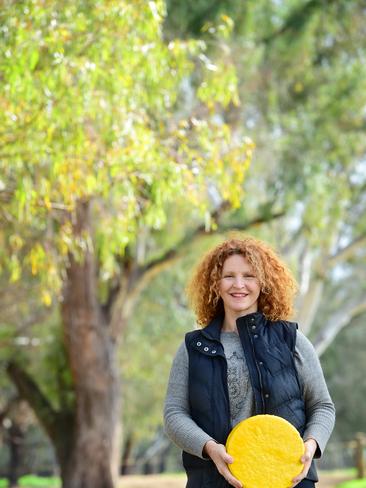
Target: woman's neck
<point x="229" y="323"/>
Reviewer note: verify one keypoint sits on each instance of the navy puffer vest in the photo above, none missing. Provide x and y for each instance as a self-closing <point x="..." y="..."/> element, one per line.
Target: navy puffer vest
<point x="269" y="353"/>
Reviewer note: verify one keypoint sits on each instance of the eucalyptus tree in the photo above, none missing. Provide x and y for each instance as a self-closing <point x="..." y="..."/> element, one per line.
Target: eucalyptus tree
<point x="302" y="83"/>
<point x="93" y="151"/>
<point x="301" y="72"/>
<point x="314" y="71"/>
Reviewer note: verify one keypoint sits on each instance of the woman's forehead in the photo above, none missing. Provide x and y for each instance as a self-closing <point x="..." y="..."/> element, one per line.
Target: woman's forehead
<point x="237" y="261"/>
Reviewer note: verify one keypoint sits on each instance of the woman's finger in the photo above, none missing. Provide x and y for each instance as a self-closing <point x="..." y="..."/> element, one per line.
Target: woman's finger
<point x="303" y="473"/>
<point x="221" y="458"/>
<point x="231" y="480"/>
<point x="228" y="459"/>
<point x="225" y="472"/>
<point x="306" y="457"/>
<point x="234" y="482"/>
<point x="310" y="448"/>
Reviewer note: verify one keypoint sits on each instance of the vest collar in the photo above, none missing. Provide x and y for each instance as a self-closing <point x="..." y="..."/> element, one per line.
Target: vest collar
<point x="213" y="329"/>
<point x="255" y="318"/>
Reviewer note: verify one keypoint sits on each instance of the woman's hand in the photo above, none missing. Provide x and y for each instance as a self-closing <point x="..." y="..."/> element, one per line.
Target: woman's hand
<point x="221" y="458"/>
<point x="310" y="449"/>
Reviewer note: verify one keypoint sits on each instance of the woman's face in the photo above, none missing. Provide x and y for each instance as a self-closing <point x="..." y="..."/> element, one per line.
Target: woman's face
<point x="239" y="287"/>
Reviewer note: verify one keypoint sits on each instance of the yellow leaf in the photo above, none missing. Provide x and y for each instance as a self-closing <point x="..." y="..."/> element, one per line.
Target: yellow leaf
<point x="298" y="87"/>
<point x="46" y="298"/>
<point x="16" y="242"/>
<point x="47" y="202"/>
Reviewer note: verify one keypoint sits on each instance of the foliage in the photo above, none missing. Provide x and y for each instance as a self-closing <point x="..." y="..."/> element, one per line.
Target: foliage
<point x="302" y="85"/>
<point x="87" y="114"/>
<point x="345" y="366"/>
<point x="94" y="111"/>
<point x="188" y="18"/>
<point x="31" y="333"/>
<point x="96" y="105"/>
<point x="156" y="329"/>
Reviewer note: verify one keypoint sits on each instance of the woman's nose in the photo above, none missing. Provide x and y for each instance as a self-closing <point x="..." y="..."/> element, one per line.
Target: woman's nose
<point x="239" y="281"/>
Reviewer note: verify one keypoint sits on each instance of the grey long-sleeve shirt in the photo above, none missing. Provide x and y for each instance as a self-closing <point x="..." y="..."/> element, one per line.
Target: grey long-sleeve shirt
<point x="187" y="435"/>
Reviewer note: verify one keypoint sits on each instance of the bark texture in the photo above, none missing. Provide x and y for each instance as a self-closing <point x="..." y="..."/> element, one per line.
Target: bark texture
<point x="94" y="458"/>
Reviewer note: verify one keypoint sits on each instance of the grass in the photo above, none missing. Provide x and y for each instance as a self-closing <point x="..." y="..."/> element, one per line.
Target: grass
<point x="353" y="484"/>
<point x="36" y="481"/>
<point x="32" y="481"/>
<point x="167" y="479"/>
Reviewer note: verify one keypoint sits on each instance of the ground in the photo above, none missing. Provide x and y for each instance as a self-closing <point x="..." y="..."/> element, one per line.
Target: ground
<point x="178" y="481"/>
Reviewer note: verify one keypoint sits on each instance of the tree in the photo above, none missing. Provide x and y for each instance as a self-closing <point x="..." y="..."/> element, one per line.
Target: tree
<point x="91" y="155"/>
<point x="302" y="86"/>
<point x="345" y="369"/>
<point x="301" y="83"/>
<point x="317" y="122"/>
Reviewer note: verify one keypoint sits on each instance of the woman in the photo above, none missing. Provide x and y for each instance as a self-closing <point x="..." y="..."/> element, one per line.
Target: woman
<point x="247" y="359"/>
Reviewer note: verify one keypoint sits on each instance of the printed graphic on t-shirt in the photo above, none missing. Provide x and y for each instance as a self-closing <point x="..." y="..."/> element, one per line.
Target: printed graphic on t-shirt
<point x="238" y="382"/>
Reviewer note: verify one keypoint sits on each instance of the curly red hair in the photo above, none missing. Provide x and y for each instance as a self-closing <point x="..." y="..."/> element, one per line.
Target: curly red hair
<point x="278" y="286"/>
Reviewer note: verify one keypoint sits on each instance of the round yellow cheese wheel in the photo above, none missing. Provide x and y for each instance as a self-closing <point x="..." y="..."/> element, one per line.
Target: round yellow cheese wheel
<point x="266" y="450"/>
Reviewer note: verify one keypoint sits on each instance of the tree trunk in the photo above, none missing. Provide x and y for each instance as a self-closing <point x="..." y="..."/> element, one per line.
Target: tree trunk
<point x="94" y="459"/>
<point x="16" y="438"/>
<point x="127" y="454"/>
<point x="87" y="438"/>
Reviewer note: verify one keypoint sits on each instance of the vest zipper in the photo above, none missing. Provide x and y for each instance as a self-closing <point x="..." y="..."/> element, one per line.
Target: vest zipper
<point x="258" y="371"/>
<point x="227" y="395"/>
<point x="226" y="387"/>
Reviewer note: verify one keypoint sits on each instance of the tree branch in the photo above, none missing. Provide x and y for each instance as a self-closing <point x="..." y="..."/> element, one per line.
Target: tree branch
<point x="171" y="254"/>
<point x="8" y="407"/>
<point x="346" y="252"/>
<point x="30" y="391"/>
<point x="143" y="275"/>
<point x="297" y="19"/>
<point x="58" y="425"/>
<point x="336" y="323"/>
<point x="308" y="304"/>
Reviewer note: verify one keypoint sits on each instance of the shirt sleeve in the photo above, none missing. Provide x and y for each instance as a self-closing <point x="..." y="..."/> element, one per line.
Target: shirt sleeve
<point x="319" y="408"/>
<point x="178" y="424"/>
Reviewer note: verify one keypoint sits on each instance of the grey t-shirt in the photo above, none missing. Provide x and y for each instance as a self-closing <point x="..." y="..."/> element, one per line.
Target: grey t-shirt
<point x="187" y="435"/>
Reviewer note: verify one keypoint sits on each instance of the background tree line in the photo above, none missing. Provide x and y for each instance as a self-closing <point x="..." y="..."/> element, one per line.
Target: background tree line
<point x="125" y="152"/>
